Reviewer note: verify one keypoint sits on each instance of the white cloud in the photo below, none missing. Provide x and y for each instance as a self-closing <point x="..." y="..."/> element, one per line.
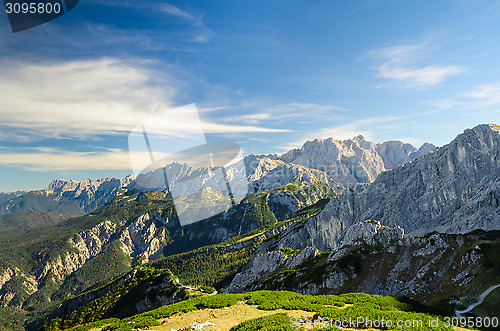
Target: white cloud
<point x="113" y="35"/>
<point x="211" y="127"/>
<point x="479" y="98"/>
<point x="421" y="77"/>
<point x="86" y="98"/>
<point x="50" y="159"/>
<point x="488" y="93"/>
<point x="79" y="98"/>
<point x="403" y="64"/>
<point x="257" y="112"/>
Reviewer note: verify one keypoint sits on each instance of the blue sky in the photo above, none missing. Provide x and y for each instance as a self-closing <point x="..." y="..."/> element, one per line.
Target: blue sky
<point x="267" y="74"/>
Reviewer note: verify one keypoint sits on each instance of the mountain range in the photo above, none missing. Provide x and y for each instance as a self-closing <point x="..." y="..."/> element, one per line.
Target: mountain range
<point x="340" y="164"/>
<point x="327" y="218"/>
<point x="65" y="196"/>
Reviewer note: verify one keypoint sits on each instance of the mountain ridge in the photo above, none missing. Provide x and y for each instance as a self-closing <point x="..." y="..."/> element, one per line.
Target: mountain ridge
<point x="354" y="164"/>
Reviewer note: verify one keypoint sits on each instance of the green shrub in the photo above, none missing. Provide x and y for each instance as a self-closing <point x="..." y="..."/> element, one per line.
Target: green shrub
<point x="279" y="321"/>
<point x="131" y="323"/>
<point x="208" y="289"/>
<point x="92" y="325"/>
<point x="217" y="301"/>
<point x="372" y="307"/>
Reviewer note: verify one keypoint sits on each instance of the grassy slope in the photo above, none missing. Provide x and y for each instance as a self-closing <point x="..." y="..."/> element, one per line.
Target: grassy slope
<point x="227" y="311"/>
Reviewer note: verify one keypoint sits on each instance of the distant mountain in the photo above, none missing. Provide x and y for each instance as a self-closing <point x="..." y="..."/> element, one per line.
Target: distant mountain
<point x="339" y="164"/>
<point x="4" y="196"/>
<point x="260" y="172"/>
<point x="356" y="160"/>
<point x="66" y="197"/>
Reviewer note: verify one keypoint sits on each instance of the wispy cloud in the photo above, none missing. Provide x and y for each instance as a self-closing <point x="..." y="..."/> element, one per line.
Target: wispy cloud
<point x="404" y="64"/>
<point x="113" y="35"/>
<point x="200" y="30"/>
<point x="477" y="98"/>
<point x="86" y="98"/>
<point x="52" y="159"/>
<point x="259" y="112"/>
<point x="204" y="33"/>
<point x="77" y="99"/>
<point x="489" y="94"/>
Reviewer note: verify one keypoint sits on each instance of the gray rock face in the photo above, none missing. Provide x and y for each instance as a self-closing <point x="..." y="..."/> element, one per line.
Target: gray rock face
<point x="264" y="264"/>
<point x="455" y="190"/>
<point x="371" y="233"/>
<point x="265" y="174"/>
<point x="339" y="164"/>
<point x="141" y="240"/>
<point x="355" y="160"/>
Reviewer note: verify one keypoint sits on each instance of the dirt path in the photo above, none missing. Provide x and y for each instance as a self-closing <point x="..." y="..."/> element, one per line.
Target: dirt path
<point x="481" y="299"/>
<point x="223" y="318"/>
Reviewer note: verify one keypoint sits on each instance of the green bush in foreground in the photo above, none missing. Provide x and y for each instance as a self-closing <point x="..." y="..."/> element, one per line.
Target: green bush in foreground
<point x="132" y="323"/>
<point x="208" y="289"/>
<point x="279" y="321"/>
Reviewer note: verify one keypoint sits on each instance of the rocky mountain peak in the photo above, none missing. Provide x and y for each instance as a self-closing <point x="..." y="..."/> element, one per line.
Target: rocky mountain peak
<point x="494" y="127"/>
<point x="60" y="185"/>
<point x="355" y="160"/>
